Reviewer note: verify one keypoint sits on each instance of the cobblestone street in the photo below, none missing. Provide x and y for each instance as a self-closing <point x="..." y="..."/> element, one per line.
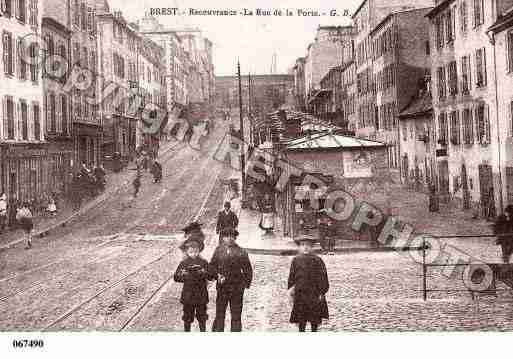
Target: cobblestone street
<point x="97" y="272"/>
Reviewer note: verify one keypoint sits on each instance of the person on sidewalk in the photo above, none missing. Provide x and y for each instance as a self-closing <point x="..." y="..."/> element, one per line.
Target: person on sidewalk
<point x="226" y="219"/>
<point x="24" y="218"/>
<point x="194" y="273"/>
<point x="52" y="207"/>
<point x="267" y="208"/>
<point x="503" y="229"/>
<point x="137" y="184"/>
<point x="231" y="266"/>
<point x="156" y="171"/>
<point x="308" y="285"/>
<point x="325" y="225"/>
<point x="3" y="212"/>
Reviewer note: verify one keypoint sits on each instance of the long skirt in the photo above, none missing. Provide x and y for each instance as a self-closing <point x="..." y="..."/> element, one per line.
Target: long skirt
<point x="267" y="221"/>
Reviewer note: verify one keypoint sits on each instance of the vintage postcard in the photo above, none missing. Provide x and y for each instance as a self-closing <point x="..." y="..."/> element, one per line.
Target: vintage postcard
<point x="256" y="166"/>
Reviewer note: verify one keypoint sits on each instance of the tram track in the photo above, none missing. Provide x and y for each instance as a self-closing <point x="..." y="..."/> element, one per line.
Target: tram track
<point x="138" y="310"/>
<point x="112" y="238"/>
<point x="129" y="231"/>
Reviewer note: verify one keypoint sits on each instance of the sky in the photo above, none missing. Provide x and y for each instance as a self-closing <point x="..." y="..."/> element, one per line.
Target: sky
<point x="251" y="39"/>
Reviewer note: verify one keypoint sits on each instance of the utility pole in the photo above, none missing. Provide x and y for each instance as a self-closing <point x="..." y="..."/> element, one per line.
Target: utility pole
<point x="242" y="143"/>
<point x="250" y="118"/>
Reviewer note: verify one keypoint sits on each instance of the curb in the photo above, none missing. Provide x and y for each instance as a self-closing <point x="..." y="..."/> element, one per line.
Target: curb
<point x="44" y="232"/>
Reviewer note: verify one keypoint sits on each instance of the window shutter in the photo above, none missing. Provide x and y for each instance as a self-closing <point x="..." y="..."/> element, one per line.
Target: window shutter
<point x="4" y="116"/>
<point x="47" y="113"/>
<point x="58" y="118"/>
<point x="487" y="124"/>
<point x="511" y="118"/>
<point x="485" y="77"/>
<point x="5" y="46"/>
<point x="17" y="121"/>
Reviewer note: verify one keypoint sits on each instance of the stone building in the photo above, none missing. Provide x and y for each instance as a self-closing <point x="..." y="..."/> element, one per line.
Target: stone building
<point x="416" y="138"/>
<point x="465" y="92"/>
<point x="58" y="130"/>
<point x="23" y="153"/>
<point x="324" y="53"/>
<point x="87" y="123"/>
<point x="374" y="40"/>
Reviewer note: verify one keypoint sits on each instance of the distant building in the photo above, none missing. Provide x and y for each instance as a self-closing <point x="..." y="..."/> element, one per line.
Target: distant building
<point x="324" y="53"/>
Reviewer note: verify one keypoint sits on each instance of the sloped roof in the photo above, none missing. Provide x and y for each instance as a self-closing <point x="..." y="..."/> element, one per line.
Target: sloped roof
<point x="420" y="105"/>
<point x="330" y="141"/>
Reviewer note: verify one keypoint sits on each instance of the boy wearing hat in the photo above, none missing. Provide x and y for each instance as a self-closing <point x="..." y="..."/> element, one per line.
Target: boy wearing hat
<point x="193" y="273"/>
<point x="230" y="264"/>
<point x="308" y="285"/>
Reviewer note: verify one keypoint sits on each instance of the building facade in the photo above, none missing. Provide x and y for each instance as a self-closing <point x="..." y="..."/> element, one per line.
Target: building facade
<point x="465" y="105"/>
<point x="376" y="40"/>
<point x="324" y="53"/>
<point x="502" y="40"/>
<point x="23" y="153"/>
<point x="87" y="125"/>
<point x="58" y="130"/>
<point x="299" y="84"/>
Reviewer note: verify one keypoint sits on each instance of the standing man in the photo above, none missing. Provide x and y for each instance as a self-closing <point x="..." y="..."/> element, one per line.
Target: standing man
<point x="226" y="219"/>
<point x="3" y="212"/>
<point x="503" y="229"/>
<point x="231" y="266"/>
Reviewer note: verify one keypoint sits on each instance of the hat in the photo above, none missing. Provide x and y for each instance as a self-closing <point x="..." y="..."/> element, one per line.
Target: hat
<point x="227" y="204"/>
<point x="305" y="238"/>
<point x="229" y="232"/>
<point x="192" y="227"/>
<point x="192" y="241"/>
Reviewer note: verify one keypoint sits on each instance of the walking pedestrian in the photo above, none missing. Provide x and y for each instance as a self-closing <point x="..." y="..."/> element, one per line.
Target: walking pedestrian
<point x="231" y="266"/>
<point x="308" y="285"/>
<point x="3" y="212"/>
<point x="325" y="225"/>
<point x="24" y="218"/>
<point x="503" y="229"/>
<point x="137" y="184"/>
<point x="194" y="274"/>
<point x="156" y="171"/>
<point x="226" y="219"/>
<point x="267" y="208"/>
<point x="433" y="199"/>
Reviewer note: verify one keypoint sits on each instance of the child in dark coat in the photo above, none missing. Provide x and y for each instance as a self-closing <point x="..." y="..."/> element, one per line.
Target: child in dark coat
<point x="193" y="273"/>
<point x="308" y="285"/>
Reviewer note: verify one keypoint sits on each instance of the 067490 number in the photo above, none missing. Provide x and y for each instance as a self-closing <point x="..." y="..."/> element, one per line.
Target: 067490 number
<point x="25" y="343"/>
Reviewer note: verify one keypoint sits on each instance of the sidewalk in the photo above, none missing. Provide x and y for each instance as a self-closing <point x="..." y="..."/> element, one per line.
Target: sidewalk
<point x="43" y="225"/>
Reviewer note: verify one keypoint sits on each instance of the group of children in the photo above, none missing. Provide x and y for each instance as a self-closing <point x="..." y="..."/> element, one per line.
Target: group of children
<point x="231" y="268"/>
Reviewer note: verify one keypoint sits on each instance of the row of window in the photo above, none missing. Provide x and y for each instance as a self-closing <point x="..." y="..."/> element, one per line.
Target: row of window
<point x="445" y="23"/>
<point x="385" y="79"/>
<point x="16" y="119"/>
<point x="84" y="58"/>
<point x="18" y="9"/>
<point x="385" y="43"/>
<point x="82" y="109"/>
<point x="386" y="116"/>
<point x="447" y="77"/>
<point x="16" y="63"/>
<point x="466" y="126"/>
<point x="57" y="113"/>
<point x="83" y="16"/>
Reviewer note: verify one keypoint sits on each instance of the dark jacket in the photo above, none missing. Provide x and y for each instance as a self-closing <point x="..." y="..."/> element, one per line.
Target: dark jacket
<point x="233" y="263"/>
<point x="226" y="220"/>
<point x="309" y="278"/>
<point x="194" y="289"/>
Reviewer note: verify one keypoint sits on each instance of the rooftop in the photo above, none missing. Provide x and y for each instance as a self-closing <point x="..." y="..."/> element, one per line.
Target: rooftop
<point x="331" y="141"/>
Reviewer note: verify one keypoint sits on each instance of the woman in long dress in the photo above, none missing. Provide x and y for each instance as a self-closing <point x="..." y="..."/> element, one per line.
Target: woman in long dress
<point x="267" y="208"/>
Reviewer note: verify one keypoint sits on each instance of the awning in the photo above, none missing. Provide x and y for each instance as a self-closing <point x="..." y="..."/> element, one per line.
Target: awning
<point x="320" y="94"/>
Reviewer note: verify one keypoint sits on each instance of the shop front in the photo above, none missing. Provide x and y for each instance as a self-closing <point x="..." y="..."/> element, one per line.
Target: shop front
<point x="34" y="172"/>
<point x="87" y="139"/>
